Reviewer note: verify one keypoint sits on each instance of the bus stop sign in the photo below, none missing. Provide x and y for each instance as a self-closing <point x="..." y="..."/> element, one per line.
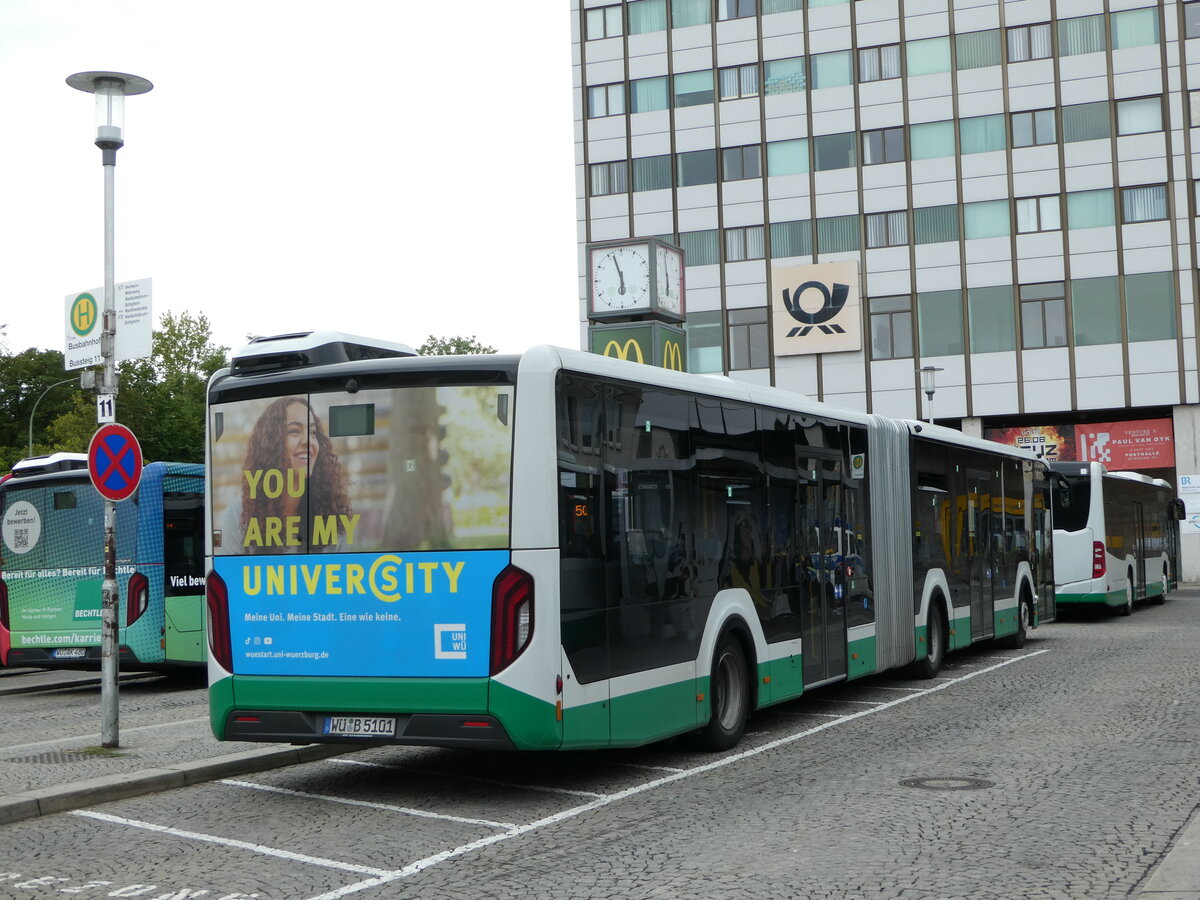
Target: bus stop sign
<point x="115" y="461"/>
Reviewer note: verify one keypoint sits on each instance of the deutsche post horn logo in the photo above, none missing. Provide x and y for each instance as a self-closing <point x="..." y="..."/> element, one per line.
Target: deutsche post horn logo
<point x="672" y="356"/>
<point x="832" y="306"/>
<point x="623" y="352"/>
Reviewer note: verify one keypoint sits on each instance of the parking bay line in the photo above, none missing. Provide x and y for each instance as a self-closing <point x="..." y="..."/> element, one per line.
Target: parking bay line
<point x="383" y="876"/>
<point x="512" y="784"/>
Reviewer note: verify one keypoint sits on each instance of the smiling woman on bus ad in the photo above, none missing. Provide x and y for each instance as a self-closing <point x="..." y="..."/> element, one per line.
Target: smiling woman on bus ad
<point x="294" y="491"/>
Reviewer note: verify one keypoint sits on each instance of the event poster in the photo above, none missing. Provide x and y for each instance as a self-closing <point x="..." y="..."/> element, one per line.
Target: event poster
<point x="1118" y="446"/>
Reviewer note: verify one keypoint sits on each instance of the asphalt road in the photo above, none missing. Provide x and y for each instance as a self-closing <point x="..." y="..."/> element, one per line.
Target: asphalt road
<point x="1064" y="769"/>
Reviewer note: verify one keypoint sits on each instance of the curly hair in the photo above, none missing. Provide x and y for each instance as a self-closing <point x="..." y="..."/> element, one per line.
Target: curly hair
<point x="327" y="485"/>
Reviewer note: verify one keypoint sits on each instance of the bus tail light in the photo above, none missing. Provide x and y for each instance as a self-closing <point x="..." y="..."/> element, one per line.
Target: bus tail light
<point x="217" y="598"/>
<point x="1098" y="564"/>
<point x="512" y="616"/>
<point x="138" y="597"/>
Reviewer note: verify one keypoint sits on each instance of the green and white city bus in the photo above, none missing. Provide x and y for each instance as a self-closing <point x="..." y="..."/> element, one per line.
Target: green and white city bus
<point x="1116" y="537"/>
<point x="562" y="550"/>
<point x="52" y="566"/>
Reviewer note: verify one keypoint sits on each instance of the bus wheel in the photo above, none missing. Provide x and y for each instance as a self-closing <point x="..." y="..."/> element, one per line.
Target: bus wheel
<point x="935" y="641"/>
<point x="1017" y="641"/>
<point x="1127" y="609"/>
<point x="729" y="694"/>
<point x="1162" y="597"/>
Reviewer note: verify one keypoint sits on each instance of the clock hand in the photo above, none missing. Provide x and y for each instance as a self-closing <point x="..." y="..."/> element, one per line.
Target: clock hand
<point x="620" y="274"/>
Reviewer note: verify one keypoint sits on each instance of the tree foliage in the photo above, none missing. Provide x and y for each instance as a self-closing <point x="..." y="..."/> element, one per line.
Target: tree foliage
<point x="161" y="399"/>
<point x="453" y="346"/>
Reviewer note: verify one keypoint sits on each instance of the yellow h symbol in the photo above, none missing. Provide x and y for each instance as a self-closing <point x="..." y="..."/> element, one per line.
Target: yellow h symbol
<point x="83" y="314"/>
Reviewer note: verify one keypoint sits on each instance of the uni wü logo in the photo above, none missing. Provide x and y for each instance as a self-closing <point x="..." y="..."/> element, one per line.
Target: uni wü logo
<point x="834" y="301"/>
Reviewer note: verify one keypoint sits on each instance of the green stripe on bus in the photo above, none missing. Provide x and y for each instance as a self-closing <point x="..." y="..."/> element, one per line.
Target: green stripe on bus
<point x="362" y="695"/>
<point x="866" y="661"/>
<point x="220" y="705"/>
<point x="1092" y="598"/>
<point x="659" y="712"/>
<point x="531" y="724"/>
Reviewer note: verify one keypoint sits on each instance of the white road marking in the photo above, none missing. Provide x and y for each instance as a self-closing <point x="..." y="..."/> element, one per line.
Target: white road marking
<point x="407" y="810"/>
<point x="512" y="784"/>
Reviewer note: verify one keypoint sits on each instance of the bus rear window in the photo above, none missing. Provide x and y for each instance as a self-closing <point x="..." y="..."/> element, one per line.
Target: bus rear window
<point x="1071" y="503"/>
<point x="410" y="468"/>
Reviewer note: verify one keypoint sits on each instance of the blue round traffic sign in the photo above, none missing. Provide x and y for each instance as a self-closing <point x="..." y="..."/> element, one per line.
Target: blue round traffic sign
<point x="115" y="461"/>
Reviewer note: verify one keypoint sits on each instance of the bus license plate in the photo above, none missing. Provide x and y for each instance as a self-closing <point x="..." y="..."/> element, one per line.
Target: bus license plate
<point x="360" y="726"/>
<point x="69" y="653"/>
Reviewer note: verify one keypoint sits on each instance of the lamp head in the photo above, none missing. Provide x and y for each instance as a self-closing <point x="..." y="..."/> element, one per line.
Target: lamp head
<point x="111" y="89"/>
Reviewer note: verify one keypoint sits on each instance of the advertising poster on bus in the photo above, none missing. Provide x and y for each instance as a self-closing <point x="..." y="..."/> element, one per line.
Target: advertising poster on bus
<point x="360" y="534"/>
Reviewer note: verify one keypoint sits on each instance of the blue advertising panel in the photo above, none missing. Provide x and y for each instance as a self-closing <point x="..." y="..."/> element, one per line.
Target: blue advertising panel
<point x="417" y="614"/>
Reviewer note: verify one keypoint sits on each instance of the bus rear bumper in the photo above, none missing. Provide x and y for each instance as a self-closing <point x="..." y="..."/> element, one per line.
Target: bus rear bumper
<point x="453" y="730"/>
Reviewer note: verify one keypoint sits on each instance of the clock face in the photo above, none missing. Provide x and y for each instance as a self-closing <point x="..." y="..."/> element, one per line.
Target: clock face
<point x="670" y="280"/>
<point x="620" y="279"/>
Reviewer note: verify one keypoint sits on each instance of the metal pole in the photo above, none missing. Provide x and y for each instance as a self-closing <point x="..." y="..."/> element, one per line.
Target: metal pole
<point x="35" y="406"/>
<point x="109" y="729"/>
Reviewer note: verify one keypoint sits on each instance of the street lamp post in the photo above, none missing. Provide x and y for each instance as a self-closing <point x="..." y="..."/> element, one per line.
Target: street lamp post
<point x="111" y="89"/>
<point x="35" y="406"/>
<point x="929" y="386"/>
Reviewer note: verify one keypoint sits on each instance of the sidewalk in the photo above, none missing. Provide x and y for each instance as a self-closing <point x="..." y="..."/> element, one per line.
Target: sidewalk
<point x="1177" y="876"/>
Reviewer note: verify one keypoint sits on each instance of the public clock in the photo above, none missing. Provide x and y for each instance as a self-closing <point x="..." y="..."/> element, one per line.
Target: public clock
<point x="620" y="279"/>
<point x="669" y="263"/>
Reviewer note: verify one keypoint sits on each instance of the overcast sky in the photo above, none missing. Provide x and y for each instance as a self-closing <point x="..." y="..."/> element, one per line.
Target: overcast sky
<point x="382" y="167"/>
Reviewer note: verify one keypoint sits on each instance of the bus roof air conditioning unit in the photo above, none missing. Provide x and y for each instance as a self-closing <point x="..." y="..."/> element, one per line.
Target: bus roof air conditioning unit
<point x="311" y="348"/>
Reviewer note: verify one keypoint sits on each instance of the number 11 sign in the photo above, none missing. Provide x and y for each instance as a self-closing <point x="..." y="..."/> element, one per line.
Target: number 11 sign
<point x="106" y="409"/>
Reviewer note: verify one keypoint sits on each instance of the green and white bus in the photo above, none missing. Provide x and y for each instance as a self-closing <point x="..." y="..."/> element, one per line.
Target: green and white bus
<point x="1116" y="537"/>
<point x="562" y="550"/>
<point x="52" y="566"/>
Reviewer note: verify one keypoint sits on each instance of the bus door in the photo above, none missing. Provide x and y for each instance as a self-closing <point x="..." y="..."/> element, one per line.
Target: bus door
<point x="978" y="552"/>
<point x="1139" y="548"/>
<point x="823" y="629"/>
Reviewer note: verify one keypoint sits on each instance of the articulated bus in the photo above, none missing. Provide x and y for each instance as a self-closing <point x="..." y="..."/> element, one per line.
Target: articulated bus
<point x="562" y="550"/>
<point x="52" y="566"/>
<point x="1116" y="537"/>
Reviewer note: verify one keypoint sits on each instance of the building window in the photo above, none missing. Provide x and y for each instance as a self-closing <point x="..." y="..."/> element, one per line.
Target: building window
<point x="1043" y="315"/>
<point x="748" y="345"/>
<point x="891" y="327"/>
<point x="1090" y="209"/>
<point x="787" y="157"/>
<point x="784" y="76"/>
<point x="735" y="9"/>
<point x="1135" y="27"/>
<point x="982" y="134"/>
<point x="977" y="49"/>
<point x="778" y="6"/>
<point x="883" y="146"/>
<point x="1086" y="122"/>
<point x="1082" y="35"/>
<point x="940" y="323"/>
<point x="1191" y="20"/>
<point x="931" y="140"/>
<point x="832" y="69"/>
<point x="1150" y="306"/>
<point x="744" y="243"/>
<point x="835" y="151"/>
<point x="791" y="239"/>
<point x="701" y="248"/>
<point x="888" y="229"/>
<point x="648" y="94"/>
<point x="690" y="12"/>
<point x="1194" y="108"/>
<point x="606" y="100"/>
<point x="706" y="349"/>
<point x="697" y="167"/>
<point x="879" y="63"/>
<point x="990" y="319"/>
<point x="927" y="56"/>
<point x="1096" y="310"/>
<point x="1139" y="116"/>
<point x="603" y="22"/>
<point x="986" y="219"/>
<point x="1038" y="214"/>
<point x="738" y="81"/>
<point x="1144" y="204"/>
<point x="652" y="173"/>
<point x="741" y="162"/>
<point x="694" y="88"/>
<point x="837" y="234"/>
<point x="1032" y="128"/>
<point x="935" y="224"/>
<point x="609" y="178"/>
<point x="1026" y="42"/>
<point x="646" y="16"/>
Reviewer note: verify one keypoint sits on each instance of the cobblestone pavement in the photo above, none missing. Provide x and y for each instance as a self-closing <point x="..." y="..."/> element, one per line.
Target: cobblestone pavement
<point x="1064" y="770"/>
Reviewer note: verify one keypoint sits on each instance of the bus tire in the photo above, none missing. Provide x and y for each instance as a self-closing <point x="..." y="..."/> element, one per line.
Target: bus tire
<point x="936" y="639"/>
<point x="729" y="697"/>
<point x="1162" y="596"/>
<point x="1127" y="608"/>
<point x="1017" y="641"/>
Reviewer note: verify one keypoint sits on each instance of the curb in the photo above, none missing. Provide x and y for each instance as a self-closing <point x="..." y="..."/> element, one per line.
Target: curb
<point x="66" y="797"/>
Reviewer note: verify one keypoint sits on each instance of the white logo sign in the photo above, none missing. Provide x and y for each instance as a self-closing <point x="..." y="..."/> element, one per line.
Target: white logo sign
<point x="816" y="309"/>
<point x="450" y="641"/>
<point x="22" y="527"/>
